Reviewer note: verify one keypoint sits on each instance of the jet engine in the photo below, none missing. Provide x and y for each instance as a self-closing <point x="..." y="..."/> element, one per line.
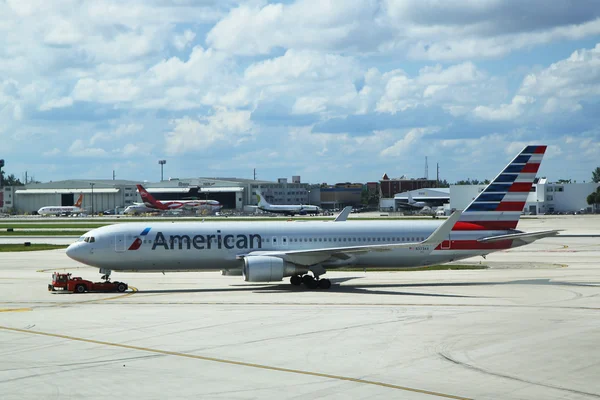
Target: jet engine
<point x="268" y="269"/>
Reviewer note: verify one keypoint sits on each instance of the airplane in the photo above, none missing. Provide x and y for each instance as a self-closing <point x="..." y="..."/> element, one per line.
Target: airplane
<point x="139" y="208"/>
<point x="412" y="204"/>
<point x="151" y="203"/>
<point x="304" y="251"/>
<point x="63" y="210"/>
<point x="290" y="210"/>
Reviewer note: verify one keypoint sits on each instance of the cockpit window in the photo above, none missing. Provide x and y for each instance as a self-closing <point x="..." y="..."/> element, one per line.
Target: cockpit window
<point x="89" y="239"/>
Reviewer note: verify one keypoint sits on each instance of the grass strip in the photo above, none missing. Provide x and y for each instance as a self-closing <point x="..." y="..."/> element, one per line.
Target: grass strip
<point x="44" y="233"/>
<point x="7" y="248"/>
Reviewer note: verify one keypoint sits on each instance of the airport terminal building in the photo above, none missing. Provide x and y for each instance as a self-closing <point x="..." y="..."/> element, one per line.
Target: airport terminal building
<point x="100" y="195"/>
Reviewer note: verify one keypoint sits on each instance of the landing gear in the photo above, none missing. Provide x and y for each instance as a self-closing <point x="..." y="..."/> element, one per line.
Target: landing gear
<point x="106" y="272"/>
<point x="324" y="283"/>
<point x="310" y="282"/>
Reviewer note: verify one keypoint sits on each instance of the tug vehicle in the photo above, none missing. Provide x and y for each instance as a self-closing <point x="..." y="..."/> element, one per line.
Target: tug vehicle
<point x="75" y="284"/>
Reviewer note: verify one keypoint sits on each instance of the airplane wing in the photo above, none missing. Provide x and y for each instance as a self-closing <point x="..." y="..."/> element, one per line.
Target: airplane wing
<point x="313" y="256"/>
<point x="527" y="237"/>
<point x="343" y="216"/>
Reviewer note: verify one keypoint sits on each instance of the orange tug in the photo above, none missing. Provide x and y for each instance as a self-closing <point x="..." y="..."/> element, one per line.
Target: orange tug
<point x="65" y="282"/>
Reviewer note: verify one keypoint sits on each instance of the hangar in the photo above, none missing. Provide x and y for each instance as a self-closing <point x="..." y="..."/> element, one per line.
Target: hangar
<point x="104" y="194"/>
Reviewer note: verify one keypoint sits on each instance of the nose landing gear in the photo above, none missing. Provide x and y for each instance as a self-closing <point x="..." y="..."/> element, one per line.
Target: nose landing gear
<point x="310" y="282"/>
<point x="106" y="272"/>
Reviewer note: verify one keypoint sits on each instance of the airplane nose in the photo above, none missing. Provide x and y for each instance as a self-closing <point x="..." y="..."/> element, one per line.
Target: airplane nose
<point x="76" y="252"/>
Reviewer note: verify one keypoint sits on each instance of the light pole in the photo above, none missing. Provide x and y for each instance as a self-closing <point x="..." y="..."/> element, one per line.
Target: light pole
<point x="92" y="185"/>
<point x="162" y="163"/>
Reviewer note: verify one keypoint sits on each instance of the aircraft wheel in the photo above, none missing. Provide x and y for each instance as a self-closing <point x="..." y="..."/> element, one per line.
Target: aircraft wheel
<point x="310" y="282"/>
<point x="296" y="280"/>
<point x="80" y="288"/>
<point x="324" y="283"/>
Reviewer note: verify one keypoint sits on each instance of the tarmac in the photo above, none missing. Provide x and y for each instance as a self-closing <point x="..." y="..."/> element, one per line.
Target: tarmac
<point x="527" y="327"/>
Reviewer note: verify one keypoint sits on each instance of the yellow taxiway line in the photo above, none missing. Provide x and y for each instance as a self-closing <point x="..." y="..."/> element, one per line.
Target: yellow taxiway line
<point x="15" y="309"/>
<point x="238" y="363"/>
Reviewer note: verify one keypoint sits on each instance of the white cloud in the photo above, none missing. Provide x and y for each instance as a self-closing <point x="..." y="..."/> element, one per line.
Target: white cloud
<point x="250" y="30"/>
<point x="121" y="131"/>
<point x="575" y="78"/>
<point x="223" y="127"/>
<point x="504" y="112"/>
<point x="79" y="149"/>
<point x="105" y="91"/>
<point x="63" y="33"/>
<point x="301" y="66"/>
<point x="184" y="40"/>
<point x="411" y="138"/>
<point x="56" y="103"/>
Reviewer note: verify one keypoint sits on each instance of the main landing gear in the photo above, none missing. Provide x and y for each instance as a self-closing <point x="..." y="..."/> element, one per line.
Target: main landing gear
<point x="310" y="282"/>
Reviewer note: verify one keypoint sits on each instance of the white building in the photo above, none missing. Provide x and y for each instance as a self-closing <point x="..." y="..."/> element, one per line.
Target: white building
<point x="544" y="197"/>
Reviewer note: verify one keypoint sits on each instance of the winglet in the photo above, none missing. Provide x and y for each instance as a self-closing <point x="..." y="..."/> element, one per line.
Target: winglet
<point x="343" y="216"/>
<point x="442" y="232"/>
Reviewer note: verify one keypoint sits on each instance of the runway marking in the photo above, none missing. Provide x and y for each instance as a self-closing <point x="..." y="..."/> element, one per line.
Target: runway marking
<point x="15" y="309"/>
<point x="121" y="296"/>
<point x="238" y="363"/>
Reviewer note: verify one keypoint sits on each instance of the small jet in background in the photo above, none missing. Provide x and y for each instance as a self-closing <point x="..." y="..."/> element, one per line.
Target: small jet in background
<point x="290" y="209"/>
<point x="63" y="210"/>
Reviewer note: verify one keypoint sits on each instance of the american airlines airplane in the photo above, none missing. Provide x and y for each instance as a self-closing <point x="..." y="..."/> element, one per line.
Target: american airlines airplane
<point x="291" y="209"/>
<point x="150" y="202"/>
<point x="304" y="251"/>
<point x="60" y="210"/>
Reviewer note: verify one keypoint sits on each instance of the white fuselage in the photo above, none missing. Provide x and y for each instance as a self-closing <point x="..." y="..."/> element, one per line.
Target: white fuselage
<point x="290" y="209"/>
<point x="187" y="246"/>
<point x="58" y="210"/>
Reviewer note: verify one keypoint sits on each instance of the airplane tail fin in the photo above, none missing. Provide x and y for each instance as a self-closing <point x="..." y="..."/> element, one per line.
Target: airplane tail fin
<point x="499" y="206"/>
<point x="148" y="199"/>
<point x="79" y="201"/>
<point x="410" y="199"/>
<point x="262" y="202"/>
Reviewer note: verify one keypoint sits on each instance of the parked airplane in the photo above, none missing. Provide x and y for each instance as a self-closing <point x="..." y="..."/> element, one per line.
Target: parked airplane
<point x="63" y="210"/>
<point x="304" y="251"/>
<point x="411" y="204"/>
<point x="139" y="208"/>
<point x="290" y="209"/>
<point x="211" y="206"/>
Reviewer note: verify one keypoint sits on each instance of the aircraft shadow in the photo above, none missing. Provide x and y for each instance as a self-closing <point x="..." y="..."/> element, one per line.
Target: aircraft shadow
<point x="358" y="288"/>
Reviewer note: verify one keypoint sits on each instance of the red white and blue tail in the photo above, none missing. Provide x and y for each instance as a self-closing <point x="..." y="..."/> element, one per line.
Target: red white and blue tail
<point x="500" y="205"/>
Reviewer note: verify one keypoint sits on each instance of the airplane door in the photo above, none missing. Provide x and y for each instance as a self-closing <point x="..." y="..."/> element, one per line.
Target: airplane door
<point x="284" y="241"/>
<point x="120" y="242"/>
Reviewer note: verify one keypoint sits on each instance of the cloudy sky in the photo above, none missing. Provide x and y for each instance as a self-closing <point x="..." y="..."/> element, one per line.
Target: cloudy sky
<point x="332" y="90"/>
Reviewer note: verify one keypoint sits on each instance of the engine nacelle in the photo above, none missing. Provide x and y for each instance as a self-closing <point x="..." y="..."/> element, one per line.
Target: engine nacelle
<point x="269" y="269"/>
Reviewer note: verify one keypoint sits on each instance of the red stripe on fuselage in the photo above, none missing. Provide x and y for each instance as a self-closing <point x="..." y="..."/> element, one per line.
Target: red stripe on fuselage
<point x="510" y="206"/>
<point x="467" y="226"/>
<point x="530" y="168"/>
<point x="474" y="245"/>
<point x="520" y="187"/>
<point x="495" y="225"/>
<point x="136" y="244"/>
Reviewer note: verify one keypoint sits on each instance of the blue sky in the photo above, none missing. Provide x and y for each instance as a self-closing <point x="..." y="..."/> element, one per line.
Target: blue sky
<point x="332" y="90"/>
